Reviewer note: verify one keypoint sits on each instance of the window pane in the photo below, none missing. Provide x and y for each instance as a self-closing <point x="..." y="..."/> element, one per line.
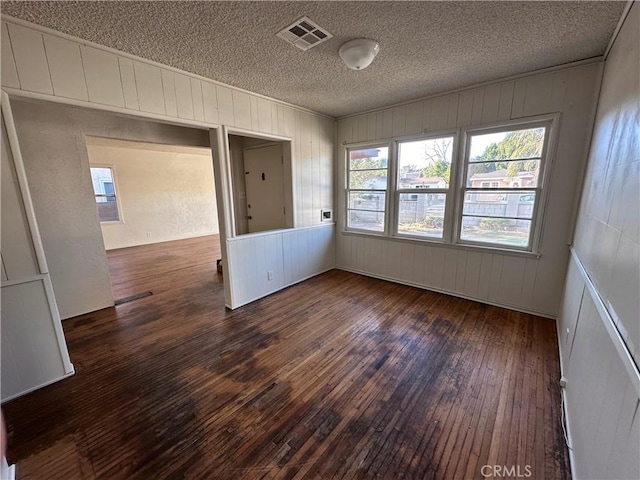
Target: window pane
<point x="368" y="180"/>
<point x="367" y="201"/>
<point x="425" y="163"/>
<point x="500" y="204"/>
<point x="365" y="220"/>
<point x="421" y="214"/>
<point x="521" y="173"/>
<point x="514" y="144"/>
<point x="500" y="231"/>
<point x="368" y="158"/>
<point x="108" y="211"/>
<point x="102" y="180"/>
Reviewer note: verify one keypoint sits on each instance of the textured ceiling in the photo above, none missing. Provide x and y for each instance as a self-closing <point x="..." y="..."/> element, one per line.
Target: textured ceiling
<point x="425" y="47"/>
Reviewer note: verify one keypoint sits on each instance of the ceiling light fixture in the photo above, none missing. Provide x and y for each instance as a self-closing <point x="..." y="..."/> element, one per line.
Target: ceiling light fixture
<point x="358" y="54"/>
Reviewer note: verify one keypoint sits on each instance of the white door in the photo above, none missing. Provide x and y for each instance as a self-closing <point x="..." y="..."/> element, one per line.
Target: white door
<point x="34" y="351"/>
<point x="264" y="183"/>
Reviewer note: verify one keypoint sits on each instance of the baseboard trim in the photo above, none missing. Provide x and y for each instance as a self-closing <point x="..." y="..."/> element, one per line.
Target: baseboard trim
<point x="447" y="292"/>
<point x="565" y="408"/>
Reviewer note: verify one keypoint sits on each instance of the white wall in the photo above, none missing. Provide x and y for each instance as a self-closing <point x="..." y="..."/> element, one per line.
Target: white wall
<point x="164" y="192"/>
<point x="44" y="64"/>
<point x="521" y="282"/>
<point x="52" y="139"/>
<point x="599" y="324"/>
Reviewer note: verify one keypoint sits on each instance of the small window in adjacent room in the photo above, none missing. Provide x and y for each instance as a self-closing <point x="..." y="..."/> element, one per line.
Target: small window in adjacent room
<point x="367" y="188"/>
<point x="502" y="188"/>
<point x="424" y="171"/>
<point x="105" y="194"/>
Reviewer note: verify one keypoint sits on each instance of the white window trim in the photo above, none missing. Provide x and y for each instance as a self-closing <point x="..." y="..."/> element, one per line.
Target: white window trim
<point x="455" y="200"/>
<point x="546" y="162"/>
<point x="387" y="201"/>
<point x="449" y="211"/>
<point x="115" y="188"/>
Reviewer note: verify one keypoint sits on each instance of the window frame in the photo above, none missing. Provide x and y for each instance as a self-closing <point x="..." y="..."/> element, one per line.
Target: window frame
<point x="347" y="190"/>
<point x="115" y="195"/>
<point x="457" y="190"/>
<point x="546" y="157"/>
<point x="447" y="226"/>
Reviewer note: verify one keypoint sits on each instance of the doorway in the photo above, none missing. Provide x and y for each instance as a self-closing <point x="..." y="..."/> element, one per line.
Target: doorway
<point x="261" y="184"/>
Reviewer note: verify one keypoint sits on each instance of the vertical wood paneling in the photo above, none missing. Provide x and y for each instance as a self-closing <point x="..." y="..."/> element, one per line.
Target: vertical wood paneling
<point x="129" y="89"/>
<point x="169" y="89"/>
<point x="289" y="122"/>
<point x="387" y="123"/>
<point x="9" y="71"/>
<point x="371" y="126"/>
<point x="361" y="128"/>
<point x="472" y="274"/>
<point x="184" y="99"/>
<point x="478" y="104"/>
<point x="255" y="124"/>
<point x="274" y="118"/>
<point x="31" y="59"/>
<point x="241" y="109"/>
<point x="225" y="105"/>
<point x="210" y="102"/>
<point x="506" y="100"/>
<point x="35" y="357"/>
<point x="102" y="72"/>
<point x="519" y="96"/>
<point x="439" y="114"/>
<point x="196" y="94"/>
<point x="426" y="115"/>
<point x="460" y="271"/>
<point x="483" y="282"/>
<point x="465" y="109"/>
<point x="414" y="118"/>
<point x="452" y="115"/>
<point x="150" y="91"/>
<point x="264" y="115"/>
<point x="399" y="121"/>
<point x="65" y="67"/>
<point x="538" y="95"/>
<point x="491" y="103"/>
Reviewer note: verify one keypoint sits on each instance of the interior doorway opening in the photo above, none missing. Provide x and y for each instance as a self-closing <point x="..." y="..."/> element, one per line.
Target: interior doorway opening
<point x="261" y="184"/>
<point x="156" y="205"/>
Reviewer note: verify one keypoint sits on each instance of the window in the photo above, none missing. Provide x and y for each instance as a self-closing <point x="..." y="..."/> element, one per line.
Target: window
<point x="501" y="187"/>
<point x="367" y="188"/>
<point x="423" y="164"/>
<point x="486" y="192"/>
<point x="105" y="194"/>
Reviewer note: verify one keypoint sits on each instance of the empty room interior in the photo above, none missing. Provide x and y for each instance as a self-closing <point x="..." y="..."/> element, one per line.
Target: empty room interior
<point x="375" y="240"/>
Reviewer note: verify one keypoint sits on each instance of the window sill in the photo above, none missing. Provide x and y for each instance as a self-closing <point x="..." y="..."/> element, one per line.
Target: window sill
<point x="436" y="243"/>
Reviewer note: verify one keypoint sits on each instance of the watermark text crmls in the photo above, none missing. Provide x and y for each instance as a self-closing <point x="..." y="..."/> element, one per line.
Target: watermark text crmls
<point x="506" y="471"/>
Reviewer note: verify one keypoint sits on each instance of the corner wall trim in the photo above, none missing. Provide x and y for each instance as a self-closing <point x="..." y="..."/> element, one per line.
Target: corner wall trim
<point x="609" y="325"/>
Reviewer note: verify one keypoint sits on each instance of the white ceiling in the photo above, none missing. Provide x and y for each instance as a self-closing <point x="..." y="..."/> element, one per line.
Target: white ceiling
<point x="425" y="47"/>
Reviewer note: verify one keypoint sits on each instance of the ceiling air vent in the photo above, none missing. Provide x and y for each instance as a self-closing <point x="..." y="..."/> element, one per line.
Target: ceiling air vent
<point x="304" y="34"/>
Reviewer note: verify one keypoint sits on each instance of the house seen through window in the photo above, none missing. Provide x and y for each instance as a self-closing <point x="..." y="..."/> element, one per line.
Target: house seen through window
<point x="105" y="194"/>
<point x="485" y="192"/>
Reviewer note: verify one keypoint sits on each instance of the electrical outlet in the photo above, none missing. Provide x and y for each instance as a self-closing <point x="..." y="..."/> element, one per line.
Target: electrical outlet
<point x="269" y="275"/>
<point x="148" y="234"/>
<point x="563" y="382"/>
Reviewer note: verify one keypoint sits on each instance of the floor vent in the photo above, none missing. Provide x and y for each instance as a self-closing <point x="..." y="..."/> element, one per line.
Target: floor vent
<point x="304" y="34"/>
<point x="138" y="296"/>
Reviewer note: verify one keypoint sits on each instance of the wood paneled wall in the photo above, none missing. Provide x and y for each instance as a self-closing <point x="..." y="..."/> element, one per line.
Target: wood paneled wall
<point x="45" y="64"/>
<point x="520" y="282"/>
<point x="599" y="324"/>
<point x="290" y="255"/>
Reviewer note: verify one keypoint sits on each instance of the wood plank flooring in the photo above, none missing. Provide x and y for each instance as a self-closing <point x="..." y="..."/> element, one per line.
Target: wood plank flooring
<point x="341" y="376"/>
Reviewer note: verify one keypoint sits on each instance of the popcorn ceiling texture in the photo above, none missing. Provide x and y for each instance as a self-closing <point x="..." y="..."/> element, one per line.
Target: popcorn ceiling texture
<point x="425" y="47"/>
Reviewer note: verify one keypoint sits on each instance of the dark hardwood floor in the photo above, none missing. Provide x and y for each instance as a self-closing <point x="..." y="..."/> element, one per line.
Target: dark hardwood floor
<point x="341" y="376"/>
